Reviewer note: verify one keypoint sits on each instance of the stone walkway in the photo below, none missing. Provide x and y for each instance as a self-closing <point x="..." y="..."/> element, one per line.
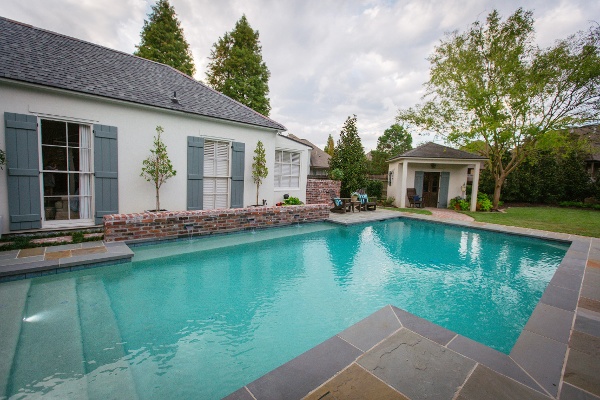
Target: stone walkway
<point x="444" y="213"/>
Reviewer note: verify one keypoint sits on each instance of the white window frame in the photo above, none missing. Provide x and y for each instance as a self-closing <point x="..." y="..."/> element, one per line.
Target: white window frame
<point x="75" y="222"/>
<point x="282" y="162"/>
<point x="214" y="176"/>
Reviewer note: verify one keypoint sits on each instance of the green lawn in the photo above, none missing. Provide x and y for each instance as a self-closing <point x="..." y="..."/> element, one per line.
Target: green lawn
<point x="410" y="210"/>
<point x="567" y="220"/>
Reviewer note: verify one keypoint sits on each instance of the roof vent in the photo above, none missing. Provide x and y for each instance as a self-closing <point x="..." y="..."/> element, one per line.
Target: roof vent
<point x="174" y="99"/>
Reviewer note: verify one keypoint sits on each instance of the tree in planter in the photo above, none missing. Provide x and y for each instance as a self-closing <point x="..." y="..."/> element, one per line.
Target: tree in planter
<point x="330" y="146"/>
<point x="259" y="166"/>
<point x="157" y="168"/>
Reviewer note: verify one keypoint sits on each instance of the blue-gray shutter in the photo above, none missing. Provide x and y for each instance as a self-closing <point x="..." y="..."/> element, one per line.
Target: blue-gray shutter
<point x="22" y="156"/>
<point x="105" y="171"/>
<point x="195" y="172"/>
<point x="443" y="194"/>
<point x="419" y="177"/>
<point x="237" y="174"/>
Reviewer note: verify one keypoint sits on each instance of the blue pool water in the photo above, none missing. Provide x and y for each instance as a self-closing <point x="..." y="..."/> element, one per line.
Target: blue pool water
<point x="201" y="318"/>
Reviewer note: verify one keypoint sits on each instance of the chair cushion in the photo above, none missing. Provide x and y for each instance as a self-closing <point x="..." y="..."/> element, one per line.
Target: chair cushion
<point x="363" y="198"/>
<point x="417" y="198"/>
<point x="337" y="201"/>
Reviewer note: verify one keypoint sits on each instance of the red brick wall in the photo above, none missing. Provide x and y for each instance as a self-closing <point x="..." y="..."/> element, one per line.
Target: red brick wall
<point x="171" y="224"/>
<point x="317" y="190"/>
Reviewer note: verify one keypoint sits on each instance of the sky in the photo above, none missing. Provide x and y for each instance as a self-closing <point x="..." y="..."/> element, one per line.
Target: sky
<point x="329" y="59"/>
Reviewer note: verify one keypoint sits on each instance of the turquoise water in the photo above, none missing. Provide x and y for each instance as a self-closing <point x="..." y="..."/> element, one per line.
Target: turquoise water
<point x="201" y="318"/>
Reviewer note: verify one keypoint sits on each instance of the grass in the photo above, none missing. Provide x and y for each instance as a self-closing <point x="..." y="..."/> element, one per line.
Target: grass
<point x="409" y="210"/>
<point x="566" y="220"/>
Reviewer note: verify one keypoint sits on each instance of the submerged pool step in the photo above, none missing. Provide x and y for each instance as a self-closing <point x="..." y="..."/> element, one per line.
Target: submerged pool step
<point x="13" y="297"/>
<point x="108" y="373"/>
<point x="51" y="338"/>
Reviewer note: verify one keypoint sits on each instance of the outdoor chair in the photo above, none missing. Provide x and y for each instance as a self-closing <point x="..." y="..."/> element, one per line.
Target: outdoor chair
<point x="414" y="200"/>
<point x="339" y="205"/>
<point x="366" y="204"/>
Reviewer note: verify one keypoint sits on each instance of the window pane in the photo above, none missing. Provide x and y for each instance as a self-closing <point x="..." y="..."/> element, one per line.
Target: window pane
<point x="295" y="182"/>
<point x="54" y="158"/>
<point x="286" y="169"/>
<point x="296" y="158"/>
<point x="285" y="181"/>
<point x="73" y="184"/>
<point x="296" y="170"/>
<point x="61" y="208"/>
<point x="73" y="135"/>
<point x="54" y="133"/>
<point x="73" y="159"/>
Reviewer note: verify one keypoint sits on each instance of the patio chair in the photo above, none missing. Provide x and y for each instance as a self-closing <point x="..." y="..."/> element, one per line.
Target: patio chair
<point x="339" y="205"/>
<point x="366" y="204"/>
<point x="414" y="200"/>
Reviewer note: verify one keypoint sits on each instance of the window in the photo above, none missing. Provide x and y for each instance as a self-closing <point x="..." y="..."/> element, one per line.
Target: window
<point x="287" y="169"/>
<point x="66" y="171"/>
<point x="216" y="175"/>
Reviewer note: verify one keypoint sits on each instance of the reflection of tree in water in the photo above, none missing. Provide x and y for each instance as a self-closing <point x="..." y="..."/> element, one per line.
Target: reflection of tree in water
<point x="342" y="245"/>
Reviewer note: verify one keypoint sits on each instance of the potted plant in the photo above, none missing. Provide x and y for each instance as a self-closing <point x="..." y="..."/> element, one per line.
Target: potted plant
<point x="157" y="168"/>
<point x="354" y="196"/>
<point x="259" y="168"/>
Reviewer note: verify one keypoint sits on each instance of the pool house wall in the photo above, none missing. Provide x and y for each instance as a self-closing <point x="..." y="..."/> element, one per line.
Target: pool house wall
<point x="136" y="126"/>
<point x="144" y="227"/>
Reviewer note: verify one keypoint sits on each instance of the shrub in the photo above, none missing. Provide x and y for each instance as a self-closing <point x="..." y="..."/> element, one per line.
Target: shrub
<point x="336" y="174"/>
<point x="292" y="201"/>
<point x="459" y="204"/>
<point x="374" y="188"/>
<point x="77" y="237"/>
<point x="389" y="201"/>
<point x="483" y="202"/>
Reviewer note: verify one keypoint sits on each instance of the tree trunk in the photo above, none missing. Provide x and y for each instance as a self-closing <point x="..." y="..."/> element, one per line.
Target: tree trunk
<point x="257" y="185"/>
<point x="157" y="199"/>
<point x="497" y="189"/>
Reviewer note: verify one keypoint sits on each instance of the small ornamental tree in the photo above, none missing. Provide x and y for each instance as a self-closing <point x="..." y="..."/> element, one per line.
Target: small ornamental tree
<point x="259" y="167"/>
<point x="157" y="168"/>
<point x="330" y="146"/>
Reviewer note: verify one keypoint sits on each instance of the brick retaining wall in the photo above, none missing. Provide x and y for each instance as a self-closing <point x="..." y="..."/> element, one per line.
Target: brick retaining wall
<point x="317" y="190"/>
<point x="171" y="224"/>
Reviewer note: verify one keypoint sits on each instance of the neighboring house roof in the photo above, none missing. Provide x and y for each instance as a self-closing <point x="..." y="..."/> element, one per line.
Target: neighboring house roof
<point x="369" y="156"/>
<point x="318" y="158"/>
<point x="434" y="150"/>
<point x="592" y="134"/>
<point x="34" y="55"/>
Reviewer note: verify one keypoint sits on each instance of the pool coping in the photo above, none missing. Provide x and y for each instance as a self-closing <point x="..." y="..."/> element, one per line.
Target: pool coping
<point x="537" y="361"/>
<point x="13" y="268"/>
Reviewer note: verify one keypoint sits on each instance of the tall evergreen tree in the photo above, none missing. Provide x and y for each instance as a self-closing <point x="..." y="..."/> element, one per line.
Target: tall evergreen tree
<point x="349" y="156"/>
<point x="237" y="69"/>
<point x="394" y="141"/>
<point x="330" y="146"/>
<point x="163" y="41"/>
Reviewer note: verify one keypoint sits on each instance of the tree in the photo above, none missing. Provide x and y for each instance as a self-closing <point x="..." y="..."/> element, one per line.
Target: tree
<point x="492" y="84"/>
<point x="236" y="68"/>
<point x="330" y="146"/>
<point x="163" y="40"/>
<point x="157" y="168"/>
<point x="349" y="157"/>
<point x="394" y="141"/>
<point x="259" y="166"/>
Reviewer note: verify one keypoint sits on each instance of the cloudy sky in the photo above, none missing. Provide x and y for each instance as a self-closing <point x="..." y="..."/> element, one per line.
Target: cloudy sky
<point x="328" y="58"/>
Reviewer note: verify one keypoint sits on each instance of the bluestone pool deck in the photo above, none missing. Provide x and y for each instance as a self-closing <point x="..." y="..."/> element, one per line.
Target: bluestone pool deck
<point x="393" y="354"/>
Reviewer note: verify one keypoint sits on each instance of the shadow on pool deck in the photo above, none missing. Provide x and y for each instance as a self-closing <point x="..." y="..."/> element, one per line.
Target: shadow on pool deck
<point x="393" y="354"/>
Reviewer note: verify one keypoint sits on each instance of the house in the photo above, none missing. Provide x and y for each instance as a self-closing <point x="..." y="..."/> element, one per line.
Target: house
<point x="438" y="173"/>
<point x="319" y="160"/>
<point x="79" y="119"/>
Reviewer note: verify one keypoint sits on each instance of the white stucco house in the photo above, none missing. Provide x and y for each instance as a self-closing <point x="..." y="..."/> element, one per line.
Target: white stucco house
<point x="438" y="173"/>
<point x="79" y="119"/>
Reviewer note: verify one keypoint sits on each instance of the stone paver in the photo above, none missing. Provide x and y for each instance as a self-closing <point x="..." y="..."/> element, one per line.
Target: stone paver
<point x="442" y="213"/>
<point x="417" y="367"/>
<point x="486" y="384"/>
<point x="355" y="383"/>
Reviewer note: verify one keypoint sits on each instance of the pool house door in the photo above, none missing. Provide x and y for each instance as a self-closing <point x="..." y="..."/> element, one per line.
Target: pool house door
<point x="431" y="186"/>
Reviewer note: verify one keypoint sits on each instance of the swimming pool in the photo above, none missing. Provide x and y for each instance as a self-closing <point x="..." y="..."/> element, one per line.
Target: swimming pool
<point x="200" y="318"/>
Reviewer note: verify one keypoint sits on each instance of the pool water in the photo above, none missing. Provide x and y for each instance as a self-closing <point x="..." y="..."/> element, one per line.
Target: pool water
<point x="201" y="318"/>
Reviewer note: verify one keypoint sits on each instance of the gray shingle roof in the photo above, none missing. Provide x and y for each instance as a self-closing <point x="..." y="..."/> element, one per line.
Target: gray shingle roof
<point x="434" y="150"/>
<point x="37" y="56"/>
<point x="318" y="158"/>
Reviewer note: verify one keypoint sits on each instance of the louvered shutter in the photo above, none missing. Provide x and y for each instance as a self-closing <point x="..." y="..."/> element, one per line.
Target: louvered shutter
<point x="22" y="156"/>
<point x="237" y="174"/>
<point x="195" y="165"/>
<point x="419" y="177"/>
<point x="443" y="194"/>
<point x="105" y="171"/>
